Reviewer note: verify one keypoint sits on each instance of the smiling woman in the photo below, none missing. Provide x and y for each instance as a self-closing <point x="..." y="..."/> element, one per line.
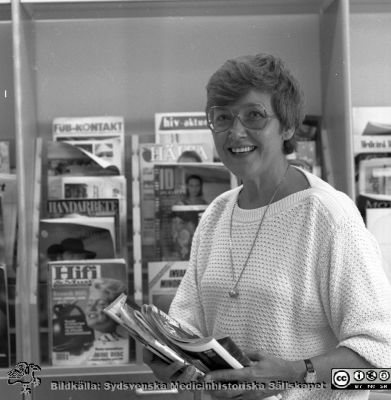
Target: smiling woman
<point x="283" y="264"/>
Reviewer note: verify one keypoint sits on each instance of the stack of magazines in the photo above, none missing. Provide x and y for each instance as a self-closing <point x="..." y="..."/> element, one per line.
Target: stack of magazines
<point x="170" y="341"/>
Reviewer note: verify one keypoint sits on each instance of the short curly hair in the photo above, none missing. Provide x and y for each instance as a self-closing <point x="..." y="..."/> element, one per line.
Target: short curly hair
<point x="262" y="72"/>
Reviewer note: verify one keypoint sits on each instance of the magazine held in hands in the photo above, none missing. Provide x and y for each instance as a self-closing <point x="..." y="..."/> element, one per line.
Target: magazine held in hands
<point x="170" y="341"/>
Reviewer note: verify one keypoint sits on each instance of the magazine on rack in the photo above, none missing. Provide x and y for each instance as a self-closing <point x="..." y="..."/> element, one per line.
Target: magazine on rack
<point x="75" y="238"/>
<point x="169" y="340"/>
<point x="98" y="196"/>
<point x="148" y="155"/>
<point x="102" y="136"/>
<point x="86" y="187"/>
<point x="4" y="157"/>
<point x="4" y="319"/>
<point x="379" y="224"/>
<point x="369" y="201"/>
<point x="184" y="127"/>
<point x="64" y="208"/>
<point x="65" y="159"/>
<point x="375" y="176"/>
<point x="79" y="332"/>
<point x="104" y="151"/>
<point x="182" y="193"/>
<point x="9" y="202"/>
<point x="81" y="128"/>
<point x="164" y="278"/>
<point x="371" y="129"/>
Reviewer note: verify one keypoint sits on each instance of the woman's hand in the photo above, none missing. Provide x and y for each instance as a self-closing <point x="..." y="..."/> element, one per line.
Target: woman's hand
<point x="176" y="371"/>
<point x="256" y="378"/>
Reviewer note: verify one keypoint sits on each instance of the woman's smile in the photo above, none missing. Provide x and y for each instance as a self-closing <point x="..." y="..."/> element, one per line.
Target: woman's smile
<point x="242" y="149"/>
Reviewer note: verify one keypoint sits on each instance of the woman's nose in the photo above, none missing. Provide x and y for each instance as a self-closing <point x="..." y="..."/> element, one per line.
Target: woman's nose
<point x="237" y="127"/>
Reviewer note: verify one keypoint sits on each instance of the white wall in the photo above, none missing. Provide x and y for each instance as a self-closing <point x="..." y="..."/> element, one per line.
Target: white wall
<point x="370" y="51"/>
<point x="137" y="67"/>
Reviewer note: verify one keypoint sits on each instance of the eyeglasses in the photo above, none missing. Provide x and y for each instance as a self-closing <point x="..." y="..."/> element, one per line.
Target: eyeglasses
<point x="251" y="116"/>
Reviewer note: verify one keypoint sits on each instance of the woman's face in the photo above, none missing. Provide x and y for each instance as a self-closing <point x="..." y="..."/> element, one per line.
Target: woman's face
<point x="194" y="187"/>
<point x="250" y="153"/>
<point x="95" y="317"/>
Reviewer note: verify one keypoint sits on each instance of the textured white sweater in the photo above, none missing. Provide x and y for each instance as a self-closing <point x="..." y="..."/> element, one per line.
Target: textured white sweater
<point x="314" y="281"/>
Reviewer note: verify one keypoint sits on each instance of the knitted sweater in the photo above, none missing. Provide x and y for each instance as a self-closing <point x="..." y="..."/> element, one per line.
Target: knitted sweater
<point x="314" y="281"/>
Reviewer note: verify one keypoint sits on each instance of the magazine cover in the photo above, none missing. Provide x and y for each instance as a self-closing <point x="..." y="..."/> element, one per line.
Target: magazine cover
<point x="308" y="153"/>
<point x="2" y="233"/>
<point x="164" y="278"/>
<point x="4" y="157"/>
<point x="371" y="129"/>
<point x="149" y="154"/>
<point x="75" y="239"/>
<point x="378" y="222"/>
<point x="8" y="191"/>
<point x="86" y="187"/>
<point x="183" y="127"/>
<point x="4" y="319"/>
<point x="108" y="150"/>
<point x="305" y="156"/>
<point x="81" y="128"/>
<point x="90" y="208"/>
<point x="65" y="159"/>
<point x="182" y="193"/>
<point x="375" y="176"/>
<point x="80" y="333"/>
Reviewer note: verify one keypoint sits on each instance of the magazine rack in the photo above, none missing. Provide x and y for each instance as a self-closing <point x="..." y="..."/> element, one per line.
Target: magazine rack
<point x="42" y="79"/>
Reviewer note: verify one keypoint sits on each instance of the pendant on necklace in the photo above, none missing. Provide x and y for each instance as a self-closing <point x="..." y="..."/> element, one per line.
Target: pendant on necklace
<point x="233" y="293"/>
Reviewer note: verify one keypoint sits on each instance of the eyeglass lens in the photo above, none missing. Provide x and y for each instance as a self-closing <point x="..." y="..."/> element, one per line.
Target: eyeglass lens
<point x="252" y="116"/>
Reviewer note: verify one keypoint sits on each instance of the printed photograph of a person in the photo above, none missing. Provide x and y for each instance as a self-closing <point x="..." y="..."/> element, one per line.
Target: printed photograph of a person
<point x="103" y="342"/>
<point x="194" y="191"/>
<point x="107" y="334"/>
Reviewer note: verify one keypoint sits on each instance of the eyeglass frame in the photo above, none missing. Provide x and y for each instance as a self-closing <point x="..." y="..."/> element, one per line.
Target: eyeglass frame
<point x="236" y="115"/>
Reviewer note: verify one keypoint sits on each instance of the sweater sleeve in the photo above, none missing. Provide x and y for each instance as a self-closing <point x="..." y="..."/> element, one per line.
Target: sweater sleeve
<point x="186" y="306"/>
<point x="356" y="293"/>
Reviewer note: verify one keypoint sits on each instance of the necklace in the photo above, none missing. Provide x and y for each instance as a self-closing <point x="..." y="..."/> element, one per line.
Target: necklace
<point x="234" y="292"/>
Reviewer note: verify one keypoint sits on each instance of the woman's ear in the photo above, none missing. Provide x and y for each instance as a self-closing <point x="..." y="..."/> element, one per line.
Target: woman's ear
<point x="288" y="133"/>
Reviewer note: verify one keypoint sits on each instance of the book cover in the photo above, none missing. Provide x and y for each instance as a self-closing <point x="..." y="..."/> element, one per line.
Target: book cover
<point x="8" y="191"/>
<point x="149" y="154"/>
<point x="182" y="193"/>
<point x="183" y="127"/>
<point x="75" y="238"/>
<point x="164" y="278"/>
<point x="4" y="319"/>
<point x="80" y="333"/>
<point x="4" y="157"/>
